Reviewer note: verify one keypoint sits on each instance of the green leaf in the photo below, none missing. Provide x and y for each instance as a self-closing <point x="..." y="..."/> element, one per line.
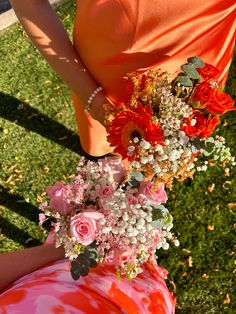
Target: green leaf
<point x="191" y="71"/>
<point x="161" y="217"/>
<point x="195" y="104"/>
<point x="83" y="259"/>
<point x="207" y="145"/>
<point x="196" y="61"/>
<point x="93" y="263"/>
<point x="75" y="270"/>
<point x="184" y="80"/>
<point x="90" y="253"/>
<point x="84" y="271"/>
<point x="159" y="212"/>
<point x="133" y="182"/>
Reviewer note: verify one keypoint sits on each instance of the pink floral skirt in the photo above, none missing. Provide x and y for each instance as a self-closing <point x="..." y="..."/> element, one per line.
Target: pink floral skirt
<point x="52" y="290"/>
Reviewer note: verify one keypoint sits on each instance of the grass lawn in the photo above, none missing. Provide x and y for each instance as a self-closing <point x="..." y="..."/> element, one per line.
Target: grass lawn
<point x="39" y="146"/>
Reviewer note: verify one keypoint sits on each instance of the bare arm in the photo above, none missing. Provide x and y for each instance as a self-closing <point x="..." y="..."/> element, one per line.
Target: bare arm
<point x="14" y="265"/>
<point x="49" y="36"/>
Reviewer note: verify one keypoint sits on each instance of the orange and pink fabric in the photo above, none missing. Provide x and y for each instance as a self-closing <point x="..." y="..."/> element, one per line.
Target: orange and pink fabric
<point x="51" y="290"/>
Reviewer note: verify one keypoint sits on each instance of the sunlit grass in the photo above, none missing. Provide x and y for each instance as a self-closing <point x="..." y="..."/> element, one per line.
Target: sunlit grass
<point x="39" y="147"/>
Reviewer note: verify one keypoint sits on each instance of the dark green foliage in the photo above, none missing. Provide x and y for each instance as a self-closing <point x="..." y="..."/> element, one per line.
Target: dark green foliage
<point x="80" y="266"/>
<point x="75" y="270"/>
<point x="38" y="146"/>
<point x="191" y="71"/>
<point x="190" y="75"/>
<point x="93" y="263"/>
<point x="185" y="80"/>
<point x="196" y="61"/>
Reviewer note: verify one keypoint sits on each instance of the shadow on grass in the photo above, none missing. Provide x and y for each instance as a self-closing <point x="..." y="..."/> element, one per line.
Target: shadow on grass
<point x="17" y="235"/>
<point x="20" y="113"/>
<point x="18" y="205"/>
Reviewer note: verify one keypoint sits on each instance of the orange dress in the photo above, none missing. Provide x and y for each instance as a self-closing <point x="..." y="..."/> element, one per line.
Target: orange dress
<point x="115" y="37"/>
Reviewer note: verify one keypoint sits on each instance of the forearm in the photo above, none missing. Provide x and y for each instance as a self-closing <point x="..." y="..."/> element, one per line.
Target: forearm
<point x="47" y="33"/>
<point x="14" y="265"/>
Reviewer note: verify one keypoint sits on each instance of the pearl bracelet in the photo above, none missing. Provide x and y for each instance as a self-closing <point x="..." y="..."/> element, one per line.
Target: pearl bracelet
<point x="91" y="98"/>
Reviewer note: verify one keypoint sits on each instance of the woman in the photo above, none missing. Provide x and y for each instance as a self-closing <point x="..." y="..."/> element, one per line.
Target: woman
<point x="115" y="37"/>
<point x="111" y="39"/>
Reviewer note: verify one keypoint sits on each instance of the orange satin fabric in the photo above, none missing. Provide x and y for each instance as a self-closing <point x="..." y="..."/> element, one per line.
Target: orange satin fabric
<point x="115" y="37"/>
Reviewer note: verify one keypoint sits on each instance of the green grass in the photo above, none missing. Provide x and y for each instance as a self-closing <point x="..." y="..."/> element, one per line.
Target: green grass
<point x="39" y="146"/>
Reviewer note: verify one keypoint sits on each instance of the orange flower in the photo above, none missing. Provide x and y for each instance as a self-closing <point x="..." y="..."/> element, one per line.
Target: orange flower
<point x="203" y="127"/>
<point x="128" y="125"/>
<point x="203" y="93"/>
<point x="221" y="103"/>
<point x="208" y="71"/>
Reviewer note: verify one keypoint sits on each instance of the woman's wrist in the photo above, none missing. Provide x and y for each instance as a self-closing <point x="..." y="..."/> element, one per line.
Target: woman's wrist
<point x="54" y="253"/>
<point x="96" y="108"/>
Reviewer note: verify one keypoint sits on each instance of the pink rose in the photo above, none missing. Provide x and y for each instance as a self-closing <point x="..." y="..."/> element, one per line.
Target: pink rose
<point x="59" y="198"/>
<point x="132" y="199"/>
<point x="114" y="167"/>
<point x="119" y="257"/>
<point x="105" y="191"/>
<point x="83" y="226"/>
<point x="154" y="196"/>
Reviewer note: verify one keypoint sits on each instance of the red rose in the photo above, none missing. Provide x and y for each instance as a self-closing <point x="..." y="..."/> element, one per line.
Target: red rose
<point x="221" y="103"/>
<point x="199" y="124"/>
<point x="203" y="93"/>
<point x="209" y="126"/>
<point x="208" y="71"/>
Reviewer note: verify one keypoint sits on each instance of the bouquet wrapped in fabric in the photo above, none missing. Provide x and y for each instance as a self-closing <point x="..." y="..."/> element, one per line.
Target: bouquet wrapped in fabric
<point x="100" y="217"/>
<point x="165" y="127"/>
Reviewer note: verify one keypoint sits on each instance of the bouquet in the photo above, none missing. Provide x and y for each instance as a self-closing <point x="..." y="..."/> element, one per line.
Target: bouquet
<point x="165" y="127"/>
<point x="100" y="217"/>
<point x="116" y="216"/>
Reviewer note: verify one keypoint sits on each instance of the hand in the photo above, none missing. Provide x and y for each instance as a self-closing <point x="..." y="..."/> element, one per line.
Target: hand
<point x="99" y="106"/>
<point x="97" y="110"/>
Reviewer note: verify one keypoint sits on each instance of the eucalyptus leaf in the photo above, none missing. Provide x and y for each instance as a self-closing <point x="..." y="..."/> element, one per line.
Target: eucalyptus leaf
<point x="75" y="270"/>
<point x="133" y="182"/>
<point x="191" y="71"/>
<point x="138" y="176"/>
<point x="83" y="259"/>
<point x="93" y="263"/>
<point x="184" y="80"/>
<point x="210" y="146"/>
<point x="84" y="271"/>
<point x="156" y="224"/>
<point x="74" y="264"/>
<point x="159" y="212"/>
<point x="161" y="217"/>
<point x="90" y="253"/>
<point x="196" y="61"/>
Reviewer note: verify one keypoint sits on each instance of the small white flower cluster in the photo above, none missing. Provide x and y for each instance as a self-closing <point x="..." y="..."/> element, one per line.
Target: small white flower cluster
<point x="176" y="152"/>
<point x="129" y="226"/>
<point x="215" y="148"/>
<point x="172" y="110"/>
<point x="221" y="152"/>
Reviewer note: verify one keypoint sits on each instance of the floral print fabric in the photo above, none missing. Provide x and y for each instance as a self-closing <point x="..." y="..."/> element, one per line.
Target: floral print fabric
<point x="51" y="290"/>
